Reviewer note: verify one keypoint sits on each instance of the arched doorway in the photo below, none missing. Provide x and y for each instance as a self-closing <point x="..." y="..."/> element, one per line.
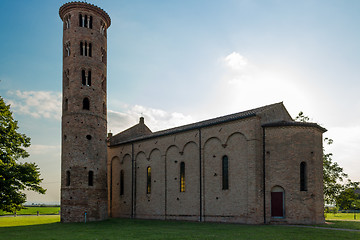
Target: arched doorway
<point x="277" y="202"/>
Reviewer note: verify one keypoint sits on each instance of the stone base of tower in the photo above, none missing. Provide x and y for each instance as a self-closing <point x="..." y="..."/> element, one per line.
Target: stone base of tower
<point x="82" y="205"/>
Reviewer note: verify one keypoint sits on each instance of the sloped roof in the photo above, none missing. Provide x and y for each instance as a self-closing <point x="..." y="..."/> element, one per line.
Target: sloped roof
<point x="197" y="125"/>
<point x="293" y="123"/>
<point x="136" y="131"/>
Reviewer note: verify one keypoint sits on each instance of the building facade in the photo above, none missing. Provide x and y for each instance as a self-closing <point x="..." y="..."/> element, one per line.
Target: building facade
<point x="84" y="154"/>
<point x="257" y="166"/>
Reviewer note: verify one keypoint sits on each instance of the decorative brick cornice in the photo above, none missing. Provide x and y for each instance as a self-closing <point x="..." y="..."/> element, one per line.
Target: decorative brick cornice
<point x="64" y="9"/>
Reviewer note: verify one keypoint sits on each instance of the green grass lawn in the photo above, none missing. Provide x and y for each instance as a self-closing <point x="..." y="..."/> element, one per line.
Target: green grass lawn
<point x="34" y="210"/>
<point x="342" y="216"/>
<point x="48" y="227"/>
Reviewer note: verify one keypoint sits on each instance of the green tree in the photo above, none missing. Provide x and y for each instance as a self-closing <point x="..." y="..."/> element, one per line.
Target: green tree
<point x="347" y="199"/>
<point x="15" y="176"/>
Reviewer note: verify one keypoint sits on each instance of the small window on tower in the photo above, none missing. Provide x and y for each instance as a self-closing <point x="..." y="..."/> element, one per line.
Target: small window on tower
<point x="90" y="22"/>
<point x="104" y="108"/>
<point x="85" y="21"/>
<point x="89" y="78"/>
<point x="86" y="104"/>
<point x="82" y="49"/>
<point x="91" y="178"/>
<point x="90" y="50"/>
<point x="80" y="21"/>
<point x="66" y="104"/>
<point x="66" y="78"/>
<point x="83" y="77"/>
<point x="67" y="178"/>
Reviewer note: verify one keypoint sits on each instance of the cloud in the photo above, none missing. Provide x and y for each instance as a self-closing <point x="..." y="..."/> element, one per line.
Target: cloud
<point x="155" y="119"/>
<point x="235" y="61"/>
<point x="38" y="104"/>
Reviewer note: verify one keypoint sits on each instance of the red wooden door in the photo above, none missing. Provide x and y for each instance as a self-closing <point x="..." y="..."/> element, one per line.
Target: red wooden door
<point x="277" y="204"/>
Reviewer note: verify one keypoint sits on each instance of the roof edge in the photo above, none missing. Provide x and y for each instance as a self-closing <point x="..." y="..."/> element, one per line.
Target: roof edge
<point x="294" y="124"/>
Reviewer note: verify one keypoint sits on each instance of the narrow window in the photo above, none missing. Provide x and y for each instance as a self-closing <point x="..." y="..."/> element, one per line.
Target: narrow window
<point x="86" y="49"/>
<point x="90" y="22"/>
<point x="66" y="104"/>
<point x="122" y="182"/>
<point x="104" y="108"/>
<point x="89" y="78"/>
<point x="91" y="178"/>
<point x="182" y="177"/>
<point x="85" y="21"/>
<point x="148" y="180"/>
<point x="66" y="78"/>
<point x="80" y="20"/>
<point x="86" y="104"/>
<point x="90" y="50"/>
<point x="67" y="178"/>
<point x="103" y="84"/>
<point x="225" y="172"/>
<point x="83" y="77"/>
<point x="303" y="181"/>
<point x="81" y="48"/>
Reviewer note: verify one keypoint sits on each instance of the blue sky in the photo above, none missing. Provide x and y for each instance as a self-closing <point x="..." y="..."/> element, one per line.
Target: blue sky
<point x="176" y="62"/>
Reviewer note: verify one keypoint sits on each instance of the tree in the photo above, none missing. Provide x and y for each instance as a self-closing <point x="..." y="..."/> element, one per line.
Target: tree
<point x="15" y="176"/>
<point x="347" y="199"/>
<point x="333" y="175"/>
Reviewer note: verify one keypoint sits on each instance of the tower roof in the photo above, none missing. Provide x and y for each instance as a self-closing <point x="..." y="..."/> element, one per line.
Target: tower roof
<point x="87" y="6"/>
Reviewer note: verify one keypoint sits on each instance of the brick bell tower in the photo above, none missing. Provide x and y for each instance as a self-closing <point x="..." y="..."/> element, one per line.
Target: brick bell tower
<point x="84" y="153"/>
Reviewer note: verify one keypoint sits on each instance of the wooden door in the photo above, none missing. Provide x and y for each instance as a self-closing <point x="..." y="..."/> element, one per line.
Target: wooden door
<point x="277" y="204"/>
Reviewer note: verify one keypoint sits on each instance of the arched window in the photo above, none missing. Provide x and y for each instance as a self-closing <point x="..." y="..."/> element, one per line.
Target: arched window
<point x="83" y="77"/>
<point x="122" y="182"/>
<point x="303" y="177"/>
<point x="67" y="178"/>
<point x="148" y="180"/>
<point x="225" y="173"/>
<point x="182" y="177"/>
<point x="86" y="104"/>
<point x="91" y="178"/>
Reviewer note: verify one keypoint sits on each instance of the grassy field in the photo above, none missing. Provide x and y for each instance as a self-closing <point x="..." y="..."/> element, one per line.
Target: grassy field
<point x="34" y="210"/>
<point x="48" y="227"/>
<point x="342" y="216"/>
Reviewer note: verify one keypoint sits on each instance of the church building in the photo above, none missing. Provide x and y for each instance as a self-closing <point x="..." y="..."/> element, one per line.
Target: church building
<point x="256" y="166"/>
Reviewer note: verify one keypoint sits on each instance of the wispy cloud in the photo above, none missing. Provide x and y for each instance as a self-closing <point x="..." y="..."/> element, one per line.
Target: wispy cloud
<point x="155" y="119"/>
<point x="38" y="104"/>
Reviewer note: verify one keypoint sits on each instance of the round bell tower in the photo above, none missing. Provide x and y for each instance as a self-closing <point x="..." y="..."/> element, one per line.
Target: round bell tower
<point x="84" y="120"/>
